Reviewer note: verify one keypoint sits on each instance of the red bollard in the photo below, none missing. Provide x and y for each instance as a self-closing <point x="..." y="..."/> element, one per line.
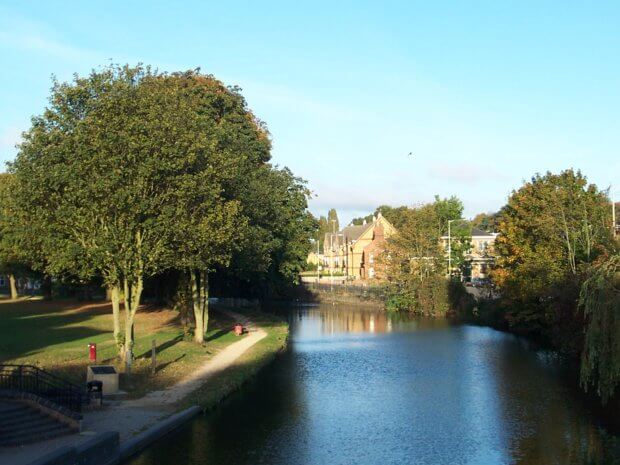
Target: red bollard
<point x="92" y="352"/>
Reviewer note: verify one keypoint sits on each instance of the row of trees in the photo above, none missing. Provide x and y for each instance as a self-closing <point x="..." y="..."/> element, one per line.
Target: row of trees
<point x="131" y="174"/>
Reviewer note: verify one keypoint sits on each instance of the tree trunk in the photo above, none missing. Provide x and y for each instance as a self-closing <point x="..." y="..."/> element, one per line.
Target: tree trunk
<point x="200" y="298"/>
<point x="133" y="292"/>
<point x="198" y="315"/>
<point x="46" y="287"/>
<point x="204" y="281"/>
<point x="115" y="297"/>
<point x="13" y="286"/>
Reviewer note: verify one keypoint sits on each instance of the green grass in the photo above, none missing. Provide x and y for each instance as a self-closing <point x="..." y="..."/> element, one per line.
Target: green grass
<point x="55" y="335"/>
<point x="246" y="366"/>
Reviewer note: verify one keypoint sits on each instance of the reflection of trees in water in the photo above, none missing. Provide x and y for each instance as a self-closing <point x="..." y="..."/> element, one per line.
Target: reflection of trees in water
<point x="351" y="318"/>
<point x="547" y="421"/>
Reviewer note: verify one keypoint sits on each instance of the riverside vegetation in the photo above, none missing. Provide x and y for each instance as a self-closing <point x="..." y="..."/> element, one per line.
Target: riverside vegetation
<point x="557" y="270"/>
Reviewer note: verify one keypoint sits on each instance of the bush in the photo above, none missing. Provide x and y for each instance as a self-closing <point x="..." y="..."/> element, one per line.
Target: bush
<point x="429" y="297"/>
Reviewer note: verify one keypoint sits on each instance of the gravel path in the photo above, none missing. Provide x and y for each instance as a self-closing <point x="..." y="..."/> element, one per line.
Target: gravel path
<point x="219" y="362"/>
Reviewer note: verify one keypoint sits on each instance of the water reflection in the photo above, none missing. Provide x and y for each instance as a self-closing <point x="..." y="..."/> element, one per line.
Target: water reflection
<point x="360" y="386"/>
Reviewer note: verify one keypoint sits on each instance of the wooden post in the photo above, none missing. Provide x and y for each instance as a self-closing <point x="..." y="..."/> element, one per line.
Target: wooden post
<point x="153" y="356"/>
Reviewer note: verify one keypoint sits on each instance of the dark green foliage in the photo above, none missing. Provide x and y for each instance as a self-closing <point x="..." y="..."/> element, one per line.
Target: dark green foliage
<point x="428" y="297"/>
<point x="276" y="242"/>
<point x="600" y="302"/>
<point x="486" y="221"/>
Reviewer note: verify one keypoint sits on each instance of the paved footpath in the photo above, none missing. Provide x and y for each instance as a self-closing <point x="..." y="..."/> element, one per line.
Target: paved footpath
<point x="133" y="416"/>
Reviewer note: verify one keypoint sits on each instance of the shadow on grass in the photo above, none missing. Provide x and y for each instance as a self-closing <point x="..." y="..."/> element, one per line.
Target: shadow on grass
<point x="162" y="347"/>
<point x="218" y="334"/>
<point x="164" y="365"/>
<point x="27" y="327"/>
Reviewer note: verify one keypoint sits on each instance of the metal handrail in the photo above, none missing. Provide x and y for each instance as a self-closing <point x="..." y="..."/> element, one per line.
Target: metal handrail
<point x="34" y="380"/>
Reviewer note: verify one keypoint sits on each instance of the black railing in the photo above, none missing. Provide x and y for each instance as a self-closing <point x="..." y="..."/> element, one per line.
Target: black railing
<point x="28" y="378"/>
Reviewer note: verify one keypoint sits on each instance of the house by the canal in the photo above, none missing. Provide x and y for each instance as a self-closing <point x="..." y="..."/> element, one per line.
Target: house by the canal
<point x="481" y="255"/>
<point x="353" y="251"/>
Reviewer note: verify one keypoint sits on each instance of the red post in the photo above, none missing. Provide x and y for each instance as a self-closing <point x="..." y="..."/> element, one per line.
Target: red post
<point x="92" y="352"/>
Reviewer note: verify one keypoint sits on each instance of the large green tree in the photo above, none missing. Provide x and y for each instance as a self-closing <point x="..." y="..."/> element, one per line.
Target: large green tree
<point x="123" y="165"/>
<point x="551" y="230"/>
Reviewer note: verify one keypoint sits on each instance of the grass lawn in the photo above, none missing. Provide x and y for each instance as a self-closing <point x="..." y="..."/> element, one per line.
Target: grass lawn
<point x="55" y="335"/>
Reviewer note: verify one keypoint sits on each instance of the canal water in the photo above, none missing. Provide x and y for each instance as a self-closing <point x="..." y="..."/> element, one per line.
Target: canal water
<point x="364" y="387"/>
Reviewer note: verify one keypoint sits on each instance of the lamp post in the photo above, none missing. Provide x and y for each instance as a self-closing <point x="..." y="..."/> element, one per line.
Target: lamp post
<point x="614" y="226"/>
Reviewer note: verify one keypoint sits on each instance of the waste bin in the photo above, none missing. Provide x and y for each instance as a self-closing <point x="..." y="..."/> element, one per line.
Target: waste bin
<point x="95" y="391"/>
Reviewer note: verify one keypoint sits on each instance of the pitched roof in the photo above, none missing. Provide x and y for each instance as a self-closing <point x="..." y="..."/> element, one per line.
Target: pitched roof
<point x="352" y="233"/>
<point x="480" y="232"/>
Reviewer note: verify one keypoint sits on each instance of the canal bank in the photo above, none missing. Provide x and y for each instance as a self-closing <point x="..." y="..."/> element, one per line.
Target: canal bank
<point x="122" y="429"/>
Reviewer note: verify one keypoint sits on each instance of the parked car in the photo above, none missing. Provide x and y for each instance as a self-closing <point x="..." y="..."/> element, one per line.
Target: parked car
<point x="480" y="282"/>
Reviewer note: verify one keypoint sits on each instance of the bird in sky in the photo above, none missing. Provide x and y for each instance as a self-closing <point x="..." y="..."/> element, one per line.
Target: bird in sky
<point x="410" y="154"/>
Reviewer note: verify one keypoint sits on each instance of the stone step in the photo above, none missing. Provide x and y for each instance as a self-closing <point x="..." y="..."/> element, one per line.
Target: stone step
<point x="15" y="416"/>
<point x="25" y="421"/>
<point x="33" y="429"/>
<point x="8" y="408"/>
<point x="26" y="437"/>
<point x="22" y="424"/>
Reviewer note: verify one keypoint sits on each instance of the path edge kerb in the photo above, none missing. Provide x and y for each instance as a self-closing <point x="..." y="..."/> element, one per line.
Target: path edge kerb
<point x="142" y="440"/>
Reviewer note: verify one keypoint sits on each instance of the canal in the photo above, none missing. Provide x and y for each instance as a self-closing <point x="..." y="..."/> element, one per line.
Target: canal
<point x="364" y="387"/>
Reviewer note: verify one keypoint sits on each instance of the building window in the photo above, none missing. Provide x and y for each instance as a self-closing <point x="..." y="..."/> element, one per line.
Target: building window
<point x="2" y="281"/>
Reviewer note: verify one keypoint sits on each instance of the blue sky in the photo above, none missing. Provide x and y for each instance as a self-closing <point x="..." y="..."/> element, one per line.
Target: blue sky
<point x="484" y="94"/>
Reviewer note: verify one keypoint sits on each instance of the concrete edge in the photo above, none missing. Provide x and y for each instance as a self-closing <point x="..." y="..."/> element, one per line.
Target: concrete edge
<point x="60" y="456"/>
<point x="99" y="450"/>
<point x="161" y="428"/>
